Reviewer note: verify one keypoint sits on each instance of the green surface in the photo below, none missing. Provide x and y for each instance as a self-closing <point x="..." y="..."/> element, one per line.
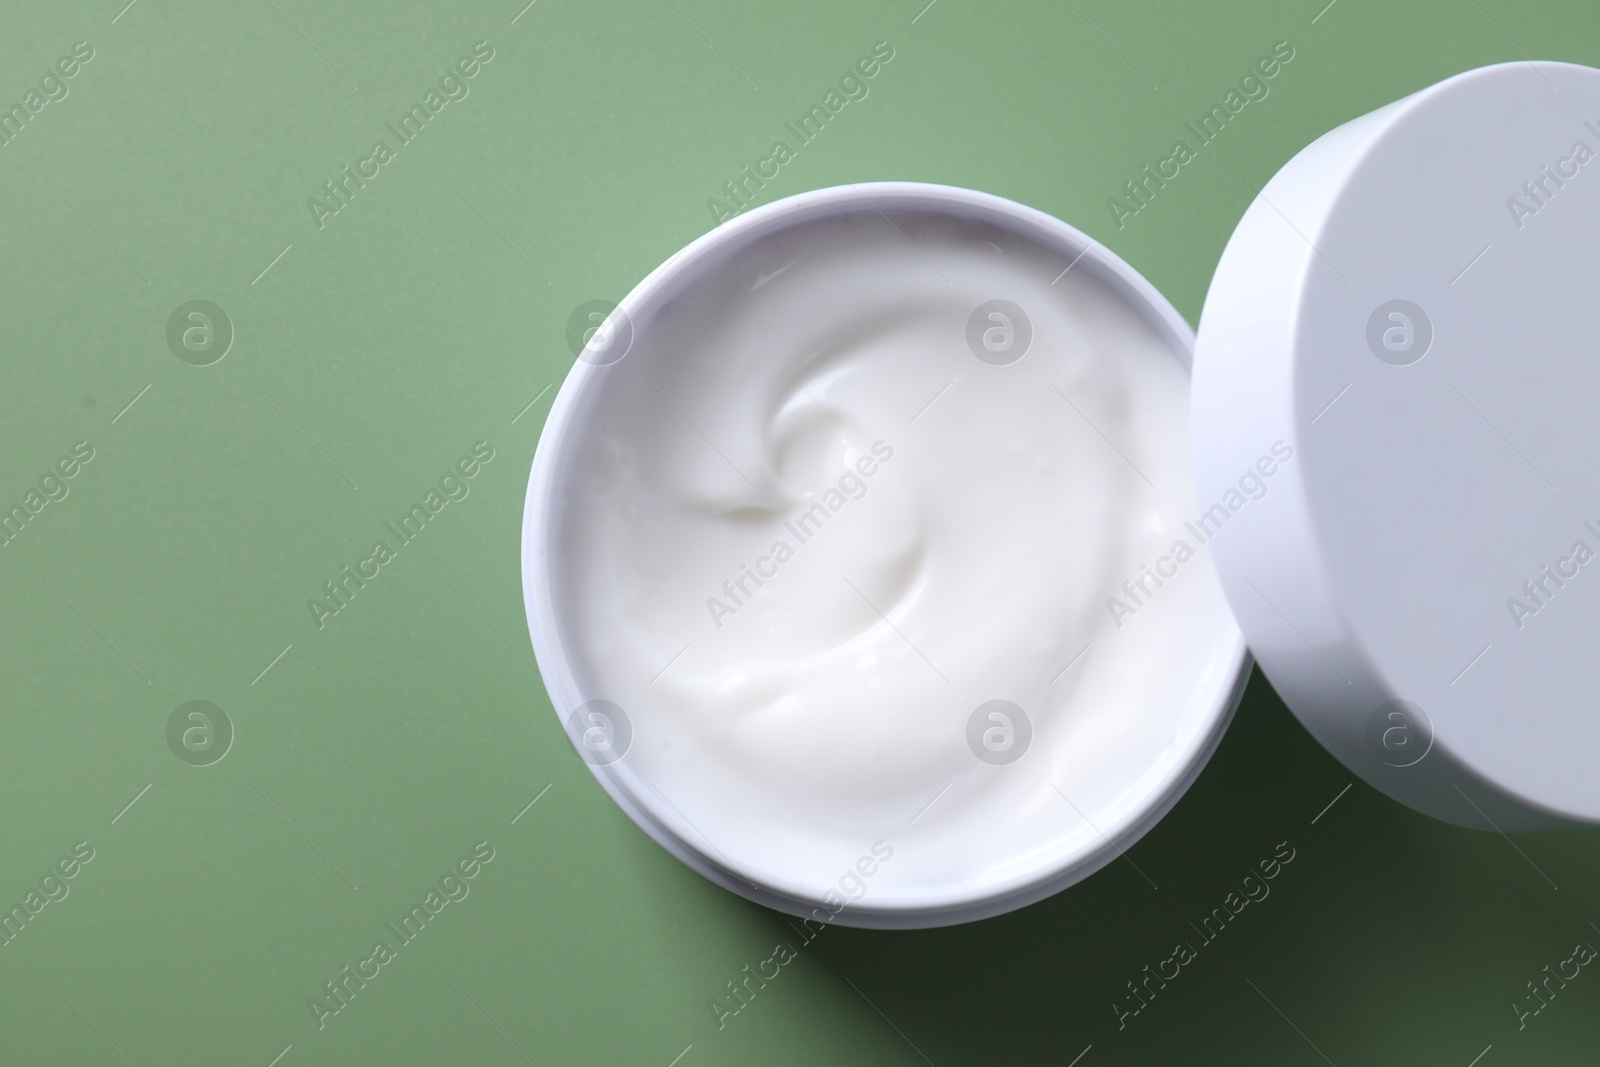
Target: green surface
<point x="379" y="749"/>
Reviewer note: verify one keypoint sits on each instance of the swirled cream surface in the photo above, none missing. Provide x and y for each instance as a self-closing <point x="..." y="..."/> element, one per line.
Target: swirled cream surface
<point x="876" y="536"/>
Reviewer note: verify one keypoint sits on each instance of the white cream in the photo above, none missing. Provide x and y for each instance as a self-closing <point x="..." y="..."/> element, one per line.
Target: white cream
<point x="800" y="680"/>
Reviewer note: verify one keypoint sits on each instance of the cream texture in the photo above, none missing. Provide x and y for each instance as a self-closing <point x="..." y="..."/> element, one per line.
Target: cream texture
<point x="805" y="532"/>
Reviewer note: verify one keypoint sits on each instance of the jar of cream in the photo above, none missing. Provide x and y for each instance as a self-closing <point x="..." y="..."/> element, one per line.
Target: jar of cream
<point x="863" y="560"/>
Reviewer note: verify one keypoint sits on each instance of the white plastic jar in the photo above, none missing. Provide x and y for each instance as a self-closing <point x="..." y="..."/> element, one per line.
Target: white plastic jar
<point x="862" y="559"/>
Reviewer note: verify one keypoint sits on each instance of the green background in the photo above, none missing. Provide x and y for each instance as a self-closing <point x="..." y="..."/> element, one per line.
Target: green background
<point x="431" y="314"/>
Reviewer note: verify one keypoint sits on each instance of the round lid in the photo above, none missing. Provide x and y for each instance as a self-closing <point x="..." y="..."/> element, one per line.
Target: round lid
<point x="1394" y="400"/>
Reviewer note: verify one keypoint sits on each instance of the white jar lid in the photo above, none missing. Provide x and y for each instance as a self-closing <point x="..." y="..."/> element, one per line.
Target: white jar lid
<point x="1408" y="307"/>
